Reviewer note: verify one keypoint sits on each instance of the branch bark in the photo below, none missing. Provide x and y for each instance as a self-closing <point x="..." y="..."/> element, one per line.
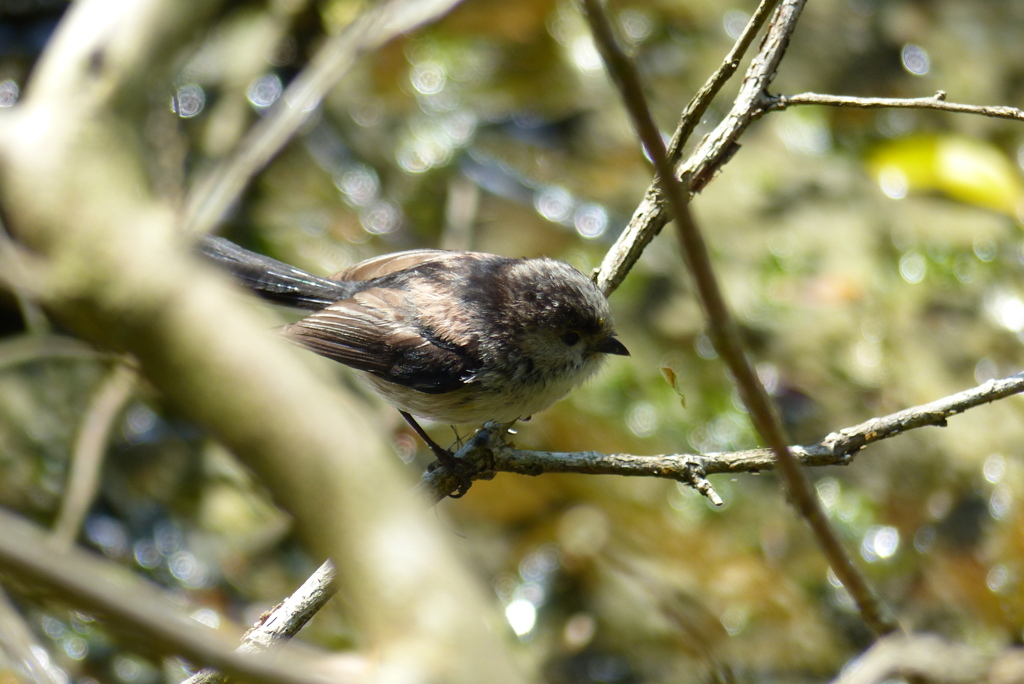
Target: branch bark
<point x="649" y="217"/>
<point x="487" y="453"/>
<point x="721" y="325"/>
<point x="283" y="622"/>
<point x="937" y="101"/>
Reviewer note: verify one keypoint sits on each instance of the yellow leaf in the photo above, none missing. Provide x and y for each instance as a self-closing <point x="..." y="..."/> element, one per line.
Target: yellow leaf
<point x="965" y="169"/>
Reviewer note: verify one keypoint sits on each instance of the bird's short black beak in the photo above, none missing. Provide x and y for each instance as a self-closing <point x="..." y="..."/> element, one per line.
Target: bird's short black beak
<point x="611" y="345"/>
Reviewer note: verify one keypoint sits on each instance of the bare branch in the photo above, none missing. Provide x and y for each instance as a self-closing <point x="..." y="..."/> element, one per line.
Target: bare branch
<point x="487" y="453"/>
<point x="936" y="101"/>
<point x="283" y="622"/>
<point x="721" y="326"/>
<point x="710" y="155"/>
<point x="648" y="222"/>
<point x="702" y="100"/>
<point x="28" y="348"/>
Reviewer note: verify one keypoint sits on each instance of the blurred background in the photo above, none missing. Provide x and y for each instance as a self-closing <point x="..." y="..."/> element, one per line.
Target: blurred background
<point x="873" y="258"/>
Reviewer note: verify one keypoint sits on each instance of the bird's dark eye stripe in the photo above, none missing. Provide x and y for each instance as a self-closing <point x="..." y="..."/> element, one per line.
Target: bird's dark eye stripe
<point x="571" y="337"/>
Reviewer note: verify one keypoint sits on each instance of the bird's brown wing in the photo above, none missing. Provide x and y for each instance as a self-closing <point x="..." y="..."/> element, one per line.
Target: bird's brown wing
<point x="387" y="264"/>
<point x="374" y="332"/>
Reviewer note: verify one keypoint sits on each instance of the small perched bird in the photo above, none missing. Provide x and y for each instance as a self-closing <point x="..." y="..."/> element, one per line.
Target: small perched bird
<point x="454" y="337"/>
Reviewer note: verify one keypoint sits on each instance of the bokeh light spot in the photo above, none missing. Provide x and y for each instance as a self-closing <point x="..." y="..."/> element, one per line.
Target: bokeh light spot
<point x="146" y="554"/>
<point x="428" y="78"/>
<point x="985" y="250"/>
<point x="913" y="267"/>
<point x="1007" y="309"/>
<point x="75" y="647"/>
<point x="807" y="135"/>
<point x="265" y="90"/>
<point x="642" y="419"/>
<point x="187" y="569"/>
<point x="994" y="468"/>
<point x="554" y="203"/>
<point x="893" y="182"/>
<point x="998" y="579"/>
<point x="584" y="54"/>
<point x="359" y="185"/>
<point x="108" y="534"/>
<point x="924" y="539"/>
<point x="591" y="220"/>
<point x="207" y="616"/>
<point x="9" y="93"/>
<point x="1000" y="504"/>
<point x="828" y="490"/>
<point x="189" y="101"/>
<point x="636" y="24"/>
<point x="734" y="21"/>
<point x="880" y="542"/>
<point x="915" y="59"/>
<point x="381" y="218"/>
<point x="522" y="616"/>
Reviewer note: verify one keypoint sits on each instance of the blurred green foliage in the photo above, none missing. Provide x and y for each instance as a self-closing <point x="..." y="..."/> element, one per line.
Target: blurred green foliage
<point x="873" y="259"/>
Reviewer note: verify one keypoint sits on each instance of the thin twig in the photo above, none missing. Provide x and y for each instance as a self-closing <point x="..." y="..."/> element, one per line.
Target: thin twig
<point x="19" y="272"/>
<point x="691" y="116"/>
<point x="90" y="446"/>
<point x="283" y="622"/>
<point x="936" y="101"/>
<point x="648" y="222"/>
<point x="487" y="453"/>
<point x="721" y="326"/>
<point x="702" y="164"/>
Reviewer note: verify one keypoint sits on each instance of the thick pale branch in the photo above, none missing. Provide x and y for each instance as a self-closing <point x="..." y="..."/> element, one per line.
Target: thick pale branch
<point x="75" y="190"/>
<point x="930" y="658"/>
<point x="22" y="651"/>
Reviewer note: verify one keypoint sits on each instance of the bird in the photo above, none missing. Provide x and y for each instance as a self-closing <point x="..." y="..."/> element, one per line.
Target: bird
<point x="454" y="337"/>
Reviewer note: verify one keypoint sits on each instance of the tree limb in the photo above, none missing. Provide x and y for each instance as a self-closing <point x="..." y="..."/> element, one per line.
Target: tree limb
<point x="283" y="622"/>
<point x="487" y="453"/>
<point x="936" y="101"/>
<point x="649" y="218"/>
<point x="721" y="325"/>
<point x="75" y="190"/>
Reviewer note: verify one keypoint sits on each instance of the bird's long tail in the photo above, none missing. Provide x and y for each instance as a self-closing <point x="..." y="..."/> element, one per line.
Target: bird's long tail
<point x="274" y="280"/>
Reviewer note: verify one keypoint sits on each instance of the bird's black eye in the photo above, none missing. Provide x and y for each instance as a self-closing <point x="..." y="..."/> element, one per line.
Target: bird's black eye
<point x="571" y="337"/>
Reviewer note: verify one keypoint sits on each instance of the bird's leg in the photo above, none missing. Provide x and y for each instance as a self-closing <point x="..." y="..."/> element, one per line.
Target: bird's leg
<point x="443" y="456"/>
